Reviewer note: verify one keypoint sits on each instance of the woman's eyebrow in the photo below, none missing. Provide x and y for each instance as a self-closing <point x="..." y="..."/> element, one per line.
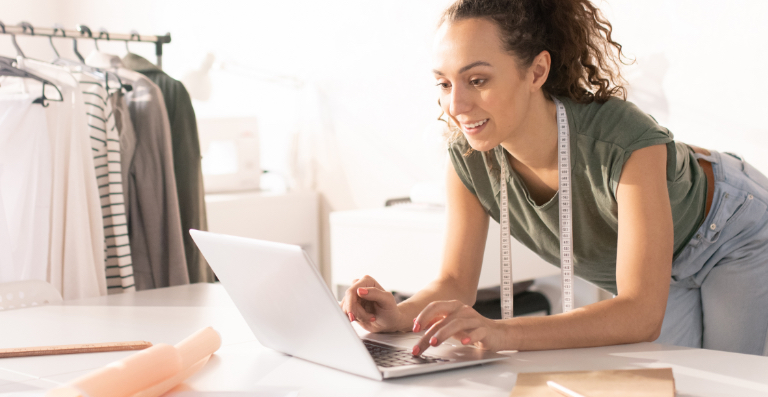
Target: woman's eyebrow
<point x="465" y="68"/>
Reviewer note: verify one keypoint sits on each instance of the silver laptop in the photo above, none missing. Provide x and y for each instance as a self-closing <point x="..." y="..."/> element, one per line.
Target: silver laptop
<point x="290" y="309"/>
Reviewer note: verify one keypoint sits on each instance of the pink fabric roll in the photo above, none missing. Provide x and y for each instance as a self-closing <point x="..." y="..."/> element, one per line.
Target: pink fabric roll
<point x="148" y="373"/>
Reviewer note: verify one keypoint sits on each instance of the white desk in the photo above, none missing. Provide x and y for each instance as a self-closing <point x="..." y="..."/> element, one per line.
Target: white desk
<point x="170" y="314"/>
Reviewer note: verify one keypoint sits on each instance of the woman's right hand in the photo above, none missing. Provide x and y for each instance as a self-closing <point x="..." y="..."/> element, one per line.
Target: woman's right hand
<point x="370" y="305"/>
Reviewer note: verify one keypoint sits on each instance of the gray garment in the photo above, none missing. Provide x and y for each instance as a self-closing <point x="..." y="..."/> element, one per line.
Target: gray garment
<point x="186" y="161"/>
<point x="718" y="296"/>
<point x="154" y="225"/>
<point x="127" y="139"/>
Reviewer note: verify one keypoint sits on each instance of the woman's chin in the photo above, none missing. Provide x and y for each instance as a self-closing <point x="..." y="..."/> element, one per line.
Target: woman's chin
<point x="480" y="145"/>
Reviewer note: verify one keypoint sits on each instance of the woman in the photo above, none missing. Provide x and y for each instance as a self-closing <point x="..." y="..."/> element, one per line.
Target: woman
<point x="677" y="233"/>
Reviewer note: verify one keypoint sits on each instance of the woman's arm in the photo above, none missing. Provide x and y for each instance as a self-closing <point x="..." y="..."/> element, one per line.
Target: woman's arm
<point x="375" y="309"/>
<point x="643" y="268"/>
<point x="466" y="233"/>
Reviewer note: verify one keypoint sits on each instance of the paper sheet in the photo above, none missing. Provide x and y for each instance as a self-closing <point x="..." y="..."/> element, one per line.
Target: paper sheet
<point x="148" y="373"/>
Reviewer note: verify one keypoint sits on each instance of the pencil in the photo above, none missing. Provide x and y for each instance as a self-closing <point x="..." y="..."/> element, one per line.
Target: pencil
<point x="73" y="349"/>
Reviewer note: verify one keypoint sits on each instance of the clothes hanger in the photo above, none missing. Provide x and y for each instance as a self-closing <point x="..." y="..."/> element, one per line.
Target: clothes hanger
<point x="102" y="32"/>
<point x="56" y="28"/>
<point x="138" y="38"/>
<point x="13" y="39"/>
<point x="81" y="66"/>
<point x="7" y="69"/>
<point x="86" y="30"/>
<point x="126" y="87"/>
<point x="74" y="48"/>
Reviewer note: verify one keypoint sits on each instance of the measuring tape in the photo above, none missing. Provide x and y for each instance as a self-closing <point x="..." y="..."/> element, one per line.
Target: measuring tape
<point x="566" y="236"/>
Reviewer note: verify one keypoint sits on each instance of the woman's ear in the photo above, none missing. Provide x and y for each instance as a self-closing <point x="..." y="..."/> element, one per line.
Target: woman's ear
<point x="539" y="70"/>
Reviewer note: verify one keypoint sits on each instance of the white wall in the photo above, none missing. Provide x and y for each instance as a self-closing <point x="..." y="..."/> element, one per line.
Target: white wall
<point x="715" y="81"/>
<point x="372" y="132"/>
<point x="43" y="12"/>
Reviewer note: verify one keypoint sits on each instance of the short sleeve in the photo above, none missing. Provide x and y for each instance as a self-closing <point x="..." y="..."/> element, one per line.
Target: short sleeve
<point x="456" y="151"/>
<point x="653" y="136"/>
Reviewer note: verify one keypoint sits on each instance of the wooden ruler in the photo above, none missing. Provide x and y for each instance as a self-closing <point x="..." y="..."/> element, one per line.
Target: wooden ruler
<point x="74" y="349"/>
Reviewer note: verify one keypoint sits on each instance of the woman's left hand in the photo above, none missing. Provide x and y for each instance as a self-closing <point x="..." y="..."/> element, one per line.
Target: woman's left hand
<point x="446" y="319"/>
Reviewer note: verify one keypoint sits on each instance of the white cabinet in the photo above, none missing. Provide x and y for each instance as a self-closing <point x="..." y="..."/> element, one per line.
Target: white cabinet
<point x="286" y="217"/>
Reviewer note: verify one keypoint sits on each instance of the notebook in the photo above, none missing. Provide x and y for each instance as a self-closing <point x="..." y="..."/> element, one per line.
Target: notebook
<point x="648" y="382"/>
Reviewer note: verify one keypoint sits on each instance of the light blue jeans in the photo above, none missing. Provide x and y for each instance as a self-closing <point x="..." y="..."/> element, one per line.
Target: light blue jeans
<point x="718" y="297"/>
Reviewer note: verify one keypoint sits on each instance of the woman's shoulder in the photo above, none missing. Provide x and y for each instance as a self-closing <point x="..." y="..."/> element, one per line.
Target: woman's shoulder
<point x="615" y="121"/>
<point x="461" y="151"/>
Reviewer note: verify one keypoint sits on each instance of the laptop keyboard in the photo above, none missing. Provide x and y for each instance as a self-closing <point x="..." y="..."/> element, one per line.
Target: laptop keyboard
<point x="390" y="356"/>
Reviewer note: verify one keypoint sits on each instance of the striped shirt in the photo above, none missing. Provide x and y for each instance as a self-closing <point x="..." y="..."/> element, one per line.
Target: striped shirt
<point x="105" y="144"/>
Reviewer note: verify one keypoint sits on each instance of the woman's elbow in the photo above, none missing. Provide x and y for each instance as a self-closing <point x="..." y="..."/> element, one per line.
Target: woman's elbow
<point x="644" y="322"/>
<point x="655" y="333"/>
<point x="652" y="327"/>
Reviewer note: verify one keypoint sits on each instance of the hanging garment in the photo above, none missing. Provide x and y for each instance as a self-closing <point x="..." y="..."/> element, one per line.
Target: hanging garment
<point x="186" y="161"/>
<point x="127" y="140"/>
<point x="25" y="182"/>
<point x="105" y="144"/>
<point x="154" y="224"/>
<point x="76" y="245"/>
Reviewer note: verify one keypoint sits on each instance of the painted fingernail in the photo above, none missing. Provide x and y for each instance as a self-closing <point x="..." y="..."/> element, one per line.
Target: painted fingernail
<point x="373" y="319"/>
<point x="433" y="341"/>
<point x="415" y="351"/>
<point x="362" y="291"/>
<point x="414" y="319"/>
<point x="416" y="327"/>
<point x="351" y="317"/>
<point x="466" y="341"/>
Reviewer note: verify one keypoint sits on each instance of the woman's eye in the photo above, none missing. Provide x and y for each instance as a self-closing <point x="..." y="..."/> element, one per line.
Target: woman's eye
<point x="477" y="82"/>
<point x="443" y="86"/>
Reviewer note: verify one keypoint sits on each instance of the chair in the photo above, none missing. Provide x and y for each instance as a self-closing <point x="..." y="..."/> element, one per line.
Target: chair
<point x="22" y="294"/>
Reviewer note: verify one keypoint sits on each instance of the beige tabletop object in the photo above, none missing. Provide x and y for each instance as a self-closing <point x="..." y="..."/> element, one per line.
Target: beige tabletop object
<point x="148" y="373"/>
<point x="650" y="382"/>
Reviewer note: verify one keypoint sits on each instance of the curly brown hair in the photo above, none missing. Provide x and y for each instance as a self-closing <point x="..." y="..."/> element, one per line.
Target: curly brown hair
<point x="585" y="59"/>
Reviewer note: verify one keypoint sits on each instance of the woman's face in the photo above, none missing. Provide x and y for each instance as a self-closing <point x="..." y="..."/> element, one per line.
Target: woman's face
<point x="481" y="87"/>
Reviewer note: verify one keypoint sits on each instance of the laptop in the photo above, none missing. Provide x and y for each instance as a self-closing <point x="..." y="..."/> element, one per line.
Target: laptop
<point x="289" y="308"/>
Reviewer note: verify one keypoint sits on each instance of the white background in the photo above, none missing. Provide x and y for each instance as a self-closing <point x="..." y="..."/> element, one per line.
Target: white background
<point x="362" y="127"/>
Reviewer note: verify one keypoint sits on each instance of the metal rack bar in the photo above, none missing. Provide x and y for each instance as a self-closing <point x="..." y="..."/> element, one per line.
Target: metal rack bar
<point x="83" y="32"/>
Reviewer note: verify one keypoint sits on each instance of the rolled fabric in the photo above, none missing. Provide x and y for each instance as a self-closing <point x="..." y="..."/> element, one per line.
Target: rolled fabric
<point x="197" y="346"/>
<point x="148" y="373"/>
<point x="168" y="384"/>
<point x="126" y="377"/>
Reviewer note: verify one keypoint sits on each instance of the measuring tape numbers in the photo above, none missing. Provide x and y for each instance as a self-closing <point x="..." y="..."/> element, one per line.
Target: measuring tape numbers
<point x="565" y="217"/>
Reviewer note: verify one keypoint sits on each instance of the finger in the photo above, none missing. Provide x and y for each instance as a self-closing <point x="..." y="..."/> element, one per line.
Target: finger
<point x="353" y="307"/>
<point x="423" y="344"/>
<point x="363" y="308"/>
<point x="458" y="327"/>
<point x="382" y="298"/>
<point x="357" y="283"/>
<point x="366" y="281"/>
<point x="434" y="312"/>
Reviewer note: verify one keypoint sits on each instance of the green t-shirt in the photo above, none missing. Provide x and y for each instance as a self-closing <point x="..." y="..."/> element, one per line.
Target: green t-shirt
<point x="603" y="136"/>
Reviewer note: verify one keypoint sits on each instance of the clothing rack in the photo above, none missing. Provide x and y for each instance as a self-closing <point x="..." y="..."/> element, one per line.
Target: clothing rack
<point x="84" y="32"/>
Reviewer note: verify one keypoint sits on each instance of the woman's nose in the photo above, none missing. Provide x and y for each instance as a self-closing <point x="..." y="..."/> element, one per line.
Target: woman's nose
<point x="460" y="102"/>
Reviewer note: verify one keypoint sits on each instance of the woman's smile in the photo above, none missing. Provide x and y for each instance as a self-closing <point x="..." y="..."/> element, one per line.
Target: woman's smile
<point x="473" y="128"/>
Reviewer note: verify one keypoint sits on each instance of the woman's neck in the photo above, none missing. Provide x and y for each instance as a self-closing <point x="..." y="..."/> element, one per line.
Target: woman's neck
<point x="534" y="144"/>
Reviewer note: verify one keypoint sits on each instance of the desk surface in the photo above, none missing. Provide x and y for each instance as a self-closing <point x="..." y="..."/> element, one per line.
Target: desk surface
<point x="169" y="315"/>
